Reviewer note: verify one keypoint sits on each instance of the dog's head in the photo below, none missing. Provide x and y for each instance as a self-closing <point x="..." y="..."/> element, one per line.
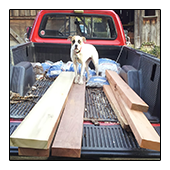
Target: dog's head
<point x="76" y="42"/>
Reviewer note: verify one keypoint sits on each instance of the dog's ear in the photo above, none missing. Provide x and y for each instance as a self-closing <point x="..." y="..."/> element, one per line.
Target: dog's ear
<point x="69" y="38"/>
<point x="84" y="39"/>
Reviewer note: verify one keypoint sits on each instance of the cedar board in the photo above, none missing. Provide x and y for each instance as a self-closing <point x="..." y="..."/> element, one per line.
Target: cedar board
<point x="34" y="152"/>
<point x="67" y="142"/>
<point x="132" y="100"/>
<point x="143" y="131"/>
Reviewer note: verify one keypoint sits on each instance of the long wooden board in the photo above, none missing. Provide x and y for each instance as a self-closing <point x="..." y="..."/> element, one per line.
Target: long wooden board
<point x="67" y="142"/>
<point x="132" y="100"/>
<point x="143" y="131"/>
<point x="38" y="128"/>
<point x="115" y="106"/>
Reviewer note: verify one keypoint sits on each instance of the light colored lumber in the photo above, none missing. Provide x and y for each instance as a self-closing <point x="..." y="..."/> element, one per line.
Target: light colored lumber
<point x="115" y="106"/>
<point x="143" y="131"/>
<point x="38" y="128"/>
<point x="132" y="100"/>
<point x="67" y="142"/>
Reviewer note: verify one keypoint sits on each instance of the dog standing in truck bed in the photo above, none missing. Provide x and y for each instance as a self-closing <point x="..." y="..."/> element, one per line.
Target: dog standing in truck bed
<point x="83" y="54"/>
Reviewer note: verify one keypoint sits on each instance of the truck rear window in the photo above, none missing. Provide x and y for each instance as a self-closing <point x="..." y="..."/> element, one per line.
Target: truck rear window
<point x="92" y="27"/>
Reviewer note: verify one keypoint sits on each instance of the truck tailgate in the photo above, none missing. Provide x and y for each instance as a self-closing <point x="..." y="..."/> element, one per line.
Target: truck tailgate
<point x="113" y="141"/>
<point x="106" y="141"/>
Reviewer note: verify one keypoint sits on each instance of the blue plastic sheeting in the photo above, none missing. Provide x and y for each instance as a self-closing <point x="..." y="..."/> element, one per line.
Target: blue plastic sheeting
<point x="97" y="81"/>
<point x="54" y="69"/>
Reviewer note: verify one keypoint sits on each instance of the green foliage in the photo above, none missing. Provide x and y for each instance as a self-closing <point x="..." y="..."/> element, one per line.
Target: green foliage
<point x="151" y="48"/>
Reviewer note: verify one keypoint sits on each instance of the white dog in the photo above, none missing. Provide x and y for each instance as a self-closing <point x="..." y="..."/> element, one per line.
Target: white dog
<point x="83" y="54"/>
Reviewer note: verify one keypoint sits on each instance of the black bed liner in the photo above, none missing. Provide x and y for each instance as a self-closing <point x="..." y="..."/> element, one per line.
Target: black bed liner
<point x="97" y="106"/>
<point x="113" y="141"/>
<point x="20" y="110"/>
<point x="110" y="141"/>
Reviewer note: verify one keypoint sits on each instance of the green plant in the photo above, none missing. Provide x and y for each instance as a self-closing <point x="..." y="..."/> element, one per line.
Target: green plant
<point x="150" y="48"/>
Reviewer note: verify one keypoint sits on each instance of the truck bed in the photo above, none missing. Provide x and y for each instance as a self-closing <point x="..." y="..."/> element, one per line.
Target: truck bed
<point x="108" y="139"/>
<point x="102" y="134"/>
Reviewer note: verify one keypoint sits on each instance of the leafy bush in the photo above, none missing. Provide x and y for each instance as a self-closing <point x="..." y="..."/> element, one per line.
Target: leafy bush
<point x="151" y="48"/>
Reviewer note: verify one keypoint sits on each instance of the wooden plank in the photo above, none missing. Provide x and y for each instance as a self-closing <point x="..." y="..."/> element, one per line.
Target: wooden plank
<point x="27" y="12"/>
<point x="37" y="129"/>
<point x="34" y="152"/>
<point x="19" y="27"/>
<point x="67" y="142"/>
<point x="158" y="28"/>
<point x="11" y="12"/>
<point x="115" y="106"/>
<point x="16" y="36"/>
<point x="33" y="12"/>
<point x="15" y="12"/>
<point x="21" y="12"/>
<point x="137" y="37"/>
<point x="24" y="18"/>
<point x="143" y="131"/>
<point x="153" y="31"/>
<point x="132" y="100"/>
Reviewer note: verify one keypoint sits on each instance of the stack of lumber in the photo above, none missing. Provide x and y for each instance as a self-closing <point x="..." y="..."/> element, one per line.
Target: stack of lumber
<point x="35" y="134"/>
<point x="129" y="108"/>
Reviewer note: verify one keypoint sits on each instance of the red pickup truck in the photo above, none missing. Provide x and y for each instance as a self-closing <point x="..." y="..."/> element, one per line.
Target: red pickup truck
<point x="103" y="135"/>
